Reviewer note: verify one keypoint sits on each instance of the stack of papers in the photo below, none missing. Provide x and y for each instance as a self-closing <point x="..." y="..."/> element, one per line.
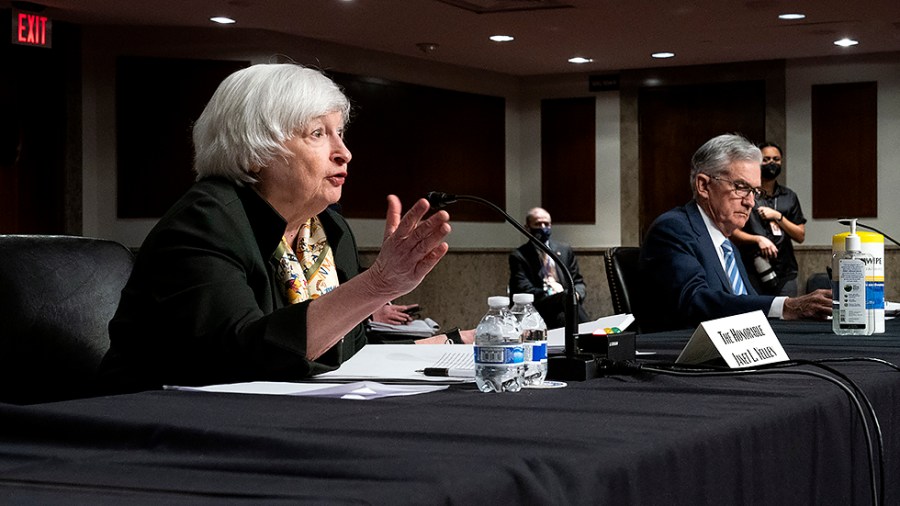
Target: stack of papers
<point x="415" y="328"/>
<point x="401" y="362"/>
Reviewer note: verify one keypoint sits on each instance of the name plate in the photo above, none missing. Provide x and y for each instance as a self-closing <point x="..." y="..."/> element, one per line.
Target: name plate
<point x="743" y="340"/>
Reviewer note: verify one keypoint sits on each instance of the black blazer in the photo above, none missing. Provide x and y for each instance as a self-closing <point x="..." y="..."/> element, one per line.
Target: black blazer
<point x="204" y="304"/>
<point x="682" y="282"/>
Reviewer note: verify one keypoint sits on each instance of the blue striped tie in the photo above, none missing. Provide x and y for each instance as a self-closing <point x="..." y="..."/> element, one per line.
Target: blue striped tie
<point x="731" y="269"/>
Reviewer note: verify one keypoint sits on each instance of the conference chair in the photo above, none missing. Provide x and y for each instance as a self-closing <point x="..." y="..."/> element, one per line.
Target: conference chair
<point x="57" y="295"/>
<point x="621" y="274"/>
<point x="818" y="280"/>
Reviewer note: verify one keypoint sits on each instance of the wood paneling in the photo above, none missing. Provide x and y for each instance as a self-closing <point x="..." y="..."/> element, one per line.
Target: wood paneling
<point x="157" y="102"/>
<point x="408" y="140"/>
<point x="844" y="150"/>
<point x="568" y="154"/>
<point x="676" y="120"/>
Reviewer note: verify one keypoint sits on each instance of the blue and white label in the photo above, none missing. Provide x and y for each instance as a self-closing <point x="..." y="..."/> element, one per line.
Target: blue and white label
<point x="539" y="351"/>
<point x="874" y="294"/>
<point x="499" y="355"/>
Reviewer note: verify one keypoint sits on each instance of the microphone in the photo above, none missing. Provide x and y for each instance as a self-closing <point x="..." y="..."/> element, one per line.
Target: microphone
<point x="873" y="229"/>
<point x="571" y="366"/>
<point x="440" y="200"/>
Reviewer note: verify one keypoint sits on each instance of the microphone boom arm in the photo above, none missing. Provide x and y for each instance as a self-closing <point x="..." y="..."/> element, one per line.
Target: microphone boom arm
<point x="572" y="367"/>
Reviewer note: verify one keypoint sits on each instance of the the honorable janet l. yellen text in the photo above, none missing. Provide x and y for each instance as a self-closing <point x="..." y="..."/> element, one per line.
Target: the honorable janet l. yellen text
<point x="752" y="354"/>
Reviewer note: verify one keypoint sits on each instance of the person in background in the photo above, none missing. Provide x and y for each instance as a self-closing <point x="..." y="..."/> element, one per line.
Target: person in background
<point x="532" y="271"/>
<point x="776" y="222"/>
<point x="250" y="276"/>
<point x="395" y="314"/>
<point x="689" y="271"/>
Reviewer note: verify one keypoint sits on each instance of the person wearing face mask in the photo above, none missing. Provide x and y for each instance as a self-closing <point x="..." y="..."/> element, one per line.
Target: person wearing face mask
<point x="532" y="271"/>
<point x="775" y="223"/>
<point x="689" y="271"/>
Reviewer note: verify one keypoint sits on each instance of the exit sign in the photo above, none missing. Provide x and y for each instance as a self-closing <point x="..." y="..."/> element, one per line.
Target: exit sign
<point x="30" y="29"/>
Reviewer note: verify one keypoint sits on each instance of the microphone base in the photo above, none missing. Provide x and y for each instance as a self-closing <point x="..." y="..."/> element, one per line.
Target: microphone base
<point x="577" y="368"/>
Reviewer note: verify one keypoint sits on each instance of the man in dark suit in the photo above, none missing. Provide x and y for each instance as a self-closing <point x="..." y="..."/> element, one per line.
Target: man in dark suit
<point x="689" y="271"/>
<point x="532" y="271"/>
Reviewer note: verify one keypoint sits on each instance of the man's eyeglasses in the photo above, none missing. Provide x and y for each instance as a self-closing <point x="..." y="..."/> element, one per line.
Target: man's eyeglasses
<point x="742" y="189"/>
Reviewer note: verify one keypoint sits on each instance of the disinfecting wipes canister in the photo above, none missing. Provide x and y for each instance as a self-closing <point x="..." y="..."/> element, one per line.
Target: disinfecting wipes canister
<point x="873" y="244"/>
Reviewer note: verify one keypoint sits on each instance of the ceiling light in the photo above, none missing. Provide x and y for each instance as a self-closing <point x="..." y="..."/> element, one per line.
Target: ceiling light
<point x="501" y="38"/>
<point x="845" y="42"/>
<point x="663" y="55"/>
<point x="428" y="47"/>
<point x="222" y="20"/>
<point x="789" y="17"/>
<point x="580" y="59"/>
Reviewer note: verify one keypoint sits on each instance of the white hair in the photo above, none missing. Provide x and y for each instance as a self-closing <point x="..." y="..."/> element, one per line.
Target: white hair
<point x="716" y="155"/>
<point x="254" y="112"/>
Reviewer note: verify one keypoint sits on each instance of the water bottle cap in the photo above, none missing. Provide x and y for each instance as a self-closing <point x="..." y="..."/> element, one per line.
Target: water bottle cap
<point x="523" y="298"/>
<point x="498" y="301"/>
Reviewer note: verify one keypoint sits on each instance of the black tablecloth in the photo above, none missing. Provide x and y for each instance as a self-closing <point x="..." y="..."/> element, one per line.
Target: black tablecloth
<point x="644" y="439"/>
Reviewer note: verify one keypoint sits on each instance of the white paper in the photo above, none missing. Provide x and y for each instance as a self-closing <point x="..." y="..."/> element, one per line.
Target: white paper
<point x="398" y="362"/>
<point x="361" y="390"/>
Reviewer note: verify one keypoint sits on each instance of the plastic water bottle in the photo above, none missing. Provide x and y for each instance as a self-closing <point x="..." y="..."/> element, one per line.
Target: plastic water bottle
<point x="499" y="354"/>
<point x="534" y="337"/>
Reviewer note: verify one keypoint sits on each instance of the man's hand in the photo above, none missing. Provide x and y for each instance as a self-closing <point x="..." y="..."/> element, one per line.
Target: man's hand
<point x="394" y="314"/>
<point x="812" y="306"/>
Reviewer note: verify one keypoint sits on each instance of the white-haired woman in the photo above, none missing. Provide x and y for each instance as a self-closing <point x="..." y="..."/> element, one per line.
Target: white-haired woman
<point x="250" y="276"/>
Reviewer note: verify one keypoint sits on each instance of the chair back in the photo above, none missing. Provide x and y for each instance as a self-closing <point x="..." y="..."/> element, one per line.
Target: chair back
<point x="818" y="280"/>
<point x="57" y="296"/>
<point x="621" y="273"/>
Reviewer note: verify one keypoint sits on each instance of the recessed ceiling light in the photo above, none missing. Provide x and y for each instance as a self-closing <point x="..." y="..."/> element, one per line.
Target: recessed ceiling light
<point x="791" y="16"/>
<point x="845" y="42"/>
<point x="663" y="55"/>
<point x="580" y="59"/>
<point x="222" y="20"/>
<point x="501" y="38"/>
<point x="428" y="47"/>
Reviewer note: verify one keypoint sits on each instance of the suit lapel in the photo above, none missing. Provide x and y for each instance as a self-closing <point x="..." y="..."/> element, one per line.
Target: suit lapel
<point x="710" y="256"/>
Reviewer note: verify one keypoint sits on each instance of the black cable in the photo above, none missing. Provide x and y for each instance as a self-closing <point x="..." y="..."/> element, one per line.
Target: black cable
<point x="713" y="371"/>
<point x="871" y="410"/>
<point x="860" y="359"/>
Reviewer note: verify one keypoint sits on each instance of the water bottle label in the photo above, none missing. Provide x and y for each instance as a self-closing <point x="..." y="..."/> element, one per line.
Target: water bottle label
<point x="499" y="354"/>
<point x="539" y="351"/>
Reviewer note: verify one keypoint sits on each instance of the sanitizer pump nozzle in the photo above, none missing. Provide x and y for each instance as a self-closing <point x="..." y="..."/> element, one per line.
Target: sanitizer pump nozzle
<point x="852" y="242"/>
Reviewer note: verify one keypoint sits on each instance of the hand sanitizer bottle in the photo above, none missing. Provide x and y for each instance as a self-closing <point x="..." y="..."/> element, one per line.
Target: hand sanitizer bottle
<point x="850" y="267"/>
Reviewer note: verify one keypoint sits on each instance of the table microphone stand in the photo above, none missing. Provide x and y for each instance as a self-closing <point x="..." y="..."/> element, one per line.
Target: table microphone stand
<point x="572" y="365"/>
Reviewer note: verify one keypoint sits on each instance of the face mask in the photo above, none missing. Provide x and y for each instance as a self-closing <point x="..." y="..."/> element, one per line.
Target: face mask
<point x="542" y="234"/>
<point x="770" y="170"/>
